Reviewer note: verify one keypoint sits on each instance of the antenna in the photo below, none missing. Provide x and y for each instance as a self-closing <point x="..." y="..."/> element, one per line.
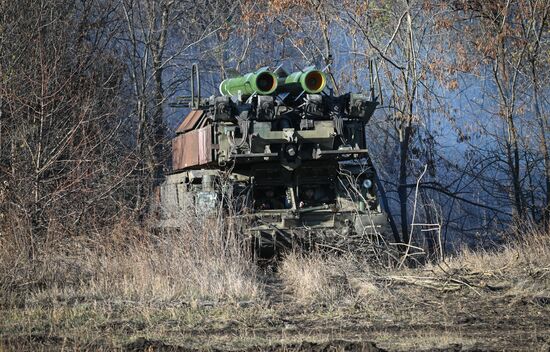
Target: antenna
<point x="195" y="78"/>
<point x="379" y="84"/>
<point x="371" y="79"/>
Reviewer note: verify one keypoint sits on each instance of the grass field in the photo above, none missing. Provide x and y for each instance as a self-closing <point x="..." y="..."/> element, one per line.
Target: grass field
<point x="134" y="291"/>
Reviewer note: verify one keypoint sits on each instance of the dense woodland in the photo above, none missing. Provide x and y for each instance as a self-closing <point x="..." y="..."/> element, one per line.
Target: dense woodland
<point x="85" y="88"/>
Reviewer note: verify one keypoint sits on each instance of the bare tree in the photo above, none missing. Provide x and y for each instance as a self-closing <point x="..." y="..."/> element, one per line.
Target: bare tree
<point x="59" y="138"/>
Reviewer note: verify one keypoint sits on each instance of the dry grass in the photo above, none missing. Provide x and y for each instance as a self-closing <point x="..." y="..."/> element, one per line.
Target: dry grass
<point x="327" y="280"/>
<point x="522" y="266"/>
<point x="529" y="252"/>
<point x="310" y="278"/>
<point x="128" y="283"/>
<point x="198" y="263"/>
<point x="207" y="261"/>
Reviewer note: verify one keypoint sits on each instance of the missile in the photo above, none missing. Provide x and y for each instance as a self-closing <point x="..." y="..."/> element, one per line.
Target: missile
<point x="261" y="82"/>
<point x="310" y="81"/>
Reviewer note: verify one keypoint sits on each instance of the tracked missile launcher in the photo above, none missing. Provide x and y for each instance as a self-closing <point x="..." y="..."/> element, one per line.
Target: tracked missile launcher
<point x="287" y="155"/>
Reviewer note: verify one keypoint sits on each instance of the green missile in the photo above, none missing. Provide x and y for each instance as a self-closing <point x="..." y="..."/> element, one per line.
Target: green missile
<point x="261" y="82"/>
<point x="310" y="81"/>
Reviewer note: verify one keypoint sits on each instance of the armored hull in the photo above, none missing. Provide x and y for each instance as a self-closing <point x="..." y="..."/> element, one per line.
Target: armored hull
<point x="293" y="166"/>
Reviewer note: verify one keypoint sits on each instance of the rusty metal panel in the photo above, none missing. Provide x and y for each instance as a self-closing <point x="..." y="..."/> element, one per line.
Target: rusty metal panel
<point x="205" y="145"/>
<point x="177" y="151"/>
<point x="192" y="148"/>
<point x="185" y="150"/>
<point x="190" y="122"/>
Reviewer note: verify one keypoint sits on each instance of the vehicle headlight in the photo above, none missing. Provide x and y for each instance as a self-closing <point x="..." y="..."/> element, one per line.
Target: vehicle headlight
<point x="367" y="184"/>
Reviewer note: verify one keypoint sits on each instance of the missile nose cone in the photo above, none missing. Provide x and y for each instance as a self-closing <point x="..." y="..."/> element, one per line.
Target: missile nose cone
<point x="315" y="81"/>
<point x="266" y="82"/>
<point x="310" y="81"/>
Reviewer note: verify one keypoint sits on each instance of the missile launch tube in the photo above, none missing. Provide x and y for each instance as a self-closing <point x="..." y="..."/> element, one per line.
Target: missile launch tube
<point x="310" y="81"/>
<point x="261" y="82"/>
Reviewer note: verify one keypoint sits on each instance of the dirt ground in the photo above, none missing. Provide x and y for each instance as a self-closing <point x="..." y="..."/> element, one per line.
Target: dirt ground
<point x="405" y="313"/>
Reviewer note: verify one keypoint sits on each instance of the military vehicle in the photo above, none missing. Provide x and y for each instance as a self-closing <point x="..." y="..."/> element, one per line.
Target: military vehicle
<point x="284" y="153"/>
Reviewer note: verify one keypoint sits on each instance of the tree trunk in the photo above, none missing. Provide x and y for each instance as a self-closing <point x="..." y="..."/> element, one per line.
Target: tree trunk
<point x="514" y="166"/>
<point x="402" y="187"/>
<point x="543" y="145"/>
<point x="386" y="206"/>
